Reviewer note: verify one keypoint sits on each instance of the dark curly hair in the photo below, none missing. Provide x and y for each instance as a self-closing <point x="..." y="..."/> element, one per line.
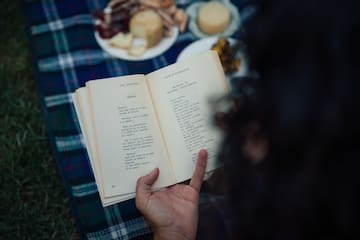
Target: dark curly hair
<point x="307" y="106"/>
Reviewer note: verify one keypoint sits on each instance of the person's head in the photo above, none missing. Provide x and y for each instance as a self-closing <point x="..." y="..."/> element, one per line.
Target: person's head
<point x="307" y="107"/>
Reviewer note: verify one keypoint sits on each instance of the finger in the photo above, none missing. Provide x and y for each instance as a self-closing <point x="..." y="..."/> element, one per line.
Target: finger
<point x="144" y="183"/>
<point x="199" y="171"/>
<point x="143" y="186"/>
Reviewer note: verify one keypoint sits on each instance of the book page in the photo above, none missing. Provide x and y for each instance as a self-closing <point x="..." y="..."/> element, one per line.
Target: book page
<point x="80" y="102"/>
<point x="182" y="93"/>
<point x="128" y="139"/>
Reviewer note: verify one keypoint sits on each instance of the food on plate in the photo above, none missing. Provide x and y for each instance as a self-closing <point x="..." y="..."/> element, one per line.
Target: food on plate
<point x="181" y="18"/>
<point x="123" y="16"/>
<point x="137" y="51"/>
<point x="121" y="40"/>
<point x="147" y="24"/>
<point x="213" y="17"/>
<point x="115" y="17"/>
<point x="227" y="54"/>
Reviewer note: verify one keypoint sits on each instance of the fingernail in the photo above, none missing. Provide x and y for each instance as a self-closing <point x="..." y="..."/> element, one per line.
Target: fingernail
<point x="152" y="171"/>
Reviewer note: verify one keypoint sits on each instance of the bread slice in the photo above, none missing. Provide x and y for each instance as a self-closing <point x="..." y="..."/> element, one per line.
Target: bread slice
<point x="147" y="24"/>
<point x="121" y="40"/>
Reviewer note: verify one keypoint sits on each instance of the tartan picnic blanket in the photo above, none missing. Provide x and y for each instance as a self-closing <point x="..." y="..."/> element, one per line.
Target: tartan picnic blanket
<point x="65" y="55"/>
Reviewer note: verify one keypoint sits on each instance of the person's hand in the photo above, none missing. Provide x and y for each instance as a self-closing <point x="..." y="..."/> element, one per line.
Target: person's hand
<point x="172" y="212"/>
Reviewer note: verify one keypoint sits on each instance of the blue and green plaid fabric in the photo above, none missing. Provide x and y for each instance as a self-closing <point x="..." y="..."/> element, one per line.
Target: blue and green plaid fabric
<point x="65" y="56"/>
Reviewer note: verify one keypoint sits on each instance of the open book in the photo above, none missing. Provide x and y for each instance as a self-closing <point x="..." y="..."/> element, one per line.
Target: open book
<point x="132" y="124"/>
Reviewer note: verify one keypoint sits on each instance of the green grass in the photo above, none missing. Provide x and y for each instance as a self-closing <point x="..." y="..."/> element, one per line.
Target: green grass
<point x="33" y="203"/>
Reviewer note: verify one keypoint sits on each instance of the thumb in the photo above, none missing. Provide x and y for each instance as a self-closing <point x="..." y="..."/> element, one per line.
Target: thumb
<point x="143" y="187"/>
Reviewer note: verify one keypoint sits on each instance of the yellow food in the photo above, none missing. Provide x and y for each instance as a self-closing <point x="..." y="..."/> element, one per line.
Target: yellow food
<point x="214" y="17"/>
<point x="121" y="40"/>
<point x="137" y="51"/>
<point x="148" y="25"/>
<point x="227" y="55"/>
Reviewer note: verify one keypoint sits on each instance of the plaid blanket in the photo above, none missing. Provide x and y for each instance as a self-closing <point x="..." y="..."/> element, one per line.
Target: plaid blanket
<point x="65" y="56"/>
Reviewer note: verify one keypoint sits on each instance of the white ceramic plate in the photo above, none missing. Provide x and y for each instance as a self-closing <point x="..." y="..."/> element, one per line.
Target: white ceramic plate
<point x="205" y="44"/>
<point x="155" y="51"/>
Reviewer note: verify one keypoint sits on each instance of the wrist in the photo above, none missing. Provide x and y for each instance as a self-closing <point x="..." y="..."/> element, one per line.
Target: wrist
<point x="173" y="235"/>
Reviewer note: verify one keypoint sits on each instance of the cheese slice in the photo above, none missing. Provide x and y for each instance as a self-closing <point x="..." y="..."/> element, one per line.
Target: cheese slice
<point x="137" y="51"/>
<point x="121" y="40"/>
